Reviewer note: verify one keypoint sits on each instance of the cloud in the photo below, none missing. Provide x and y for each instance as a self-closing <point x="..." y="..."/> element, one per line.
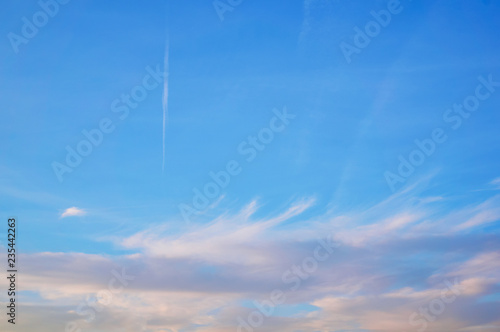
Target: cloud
<point x="226" y="239"/>
<point x="72" y="212"/>
<point x="395" y="257"/>
<point x="496" y="183"/>
<point x="481" y="214"/>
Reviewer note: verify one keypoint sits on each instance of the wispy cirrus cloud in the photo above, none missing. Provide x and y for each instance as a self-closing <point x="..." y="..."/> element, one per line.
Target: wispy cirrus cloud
<point x="226" y="239"/>
<point x="496" y="183"/>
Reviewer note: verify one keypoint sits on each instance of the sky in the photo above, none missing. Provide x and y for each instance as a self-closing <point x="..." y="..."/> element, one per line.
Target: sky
<point x="233" y="165"/>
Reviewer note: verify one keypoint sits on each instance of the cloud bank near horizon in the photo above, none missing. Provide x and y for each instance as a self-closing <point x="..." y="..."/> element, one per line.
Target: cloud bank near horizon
<point x="389" y="262"/>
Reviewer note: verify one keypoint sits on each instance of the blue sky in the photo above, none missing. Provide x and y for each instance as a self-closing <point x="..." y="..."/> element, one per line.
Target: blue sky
<point x="223" y="81"/>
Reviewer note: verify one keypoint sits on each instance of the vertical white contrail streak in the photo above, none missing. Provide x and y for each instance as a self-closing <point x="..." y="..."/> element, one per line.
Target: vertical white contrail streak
<point x="165" y="99"/>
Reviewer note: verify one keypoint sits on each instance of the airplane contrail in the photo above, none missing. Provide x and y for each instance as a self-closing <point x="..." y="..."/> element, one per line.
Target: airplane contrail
<point x="165" y="99"/>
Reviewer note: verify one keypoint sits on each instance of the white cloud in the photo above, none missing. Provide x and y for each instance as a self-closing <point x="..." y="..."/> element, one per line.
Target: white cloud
<point x="73" y="211"/>
<point x="227" y="239"/>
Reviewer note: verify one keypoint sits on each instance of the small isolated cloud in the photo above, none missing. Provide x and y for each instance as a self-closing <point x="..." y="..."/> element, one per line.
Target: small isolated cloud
<point x="73" y="211"/>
